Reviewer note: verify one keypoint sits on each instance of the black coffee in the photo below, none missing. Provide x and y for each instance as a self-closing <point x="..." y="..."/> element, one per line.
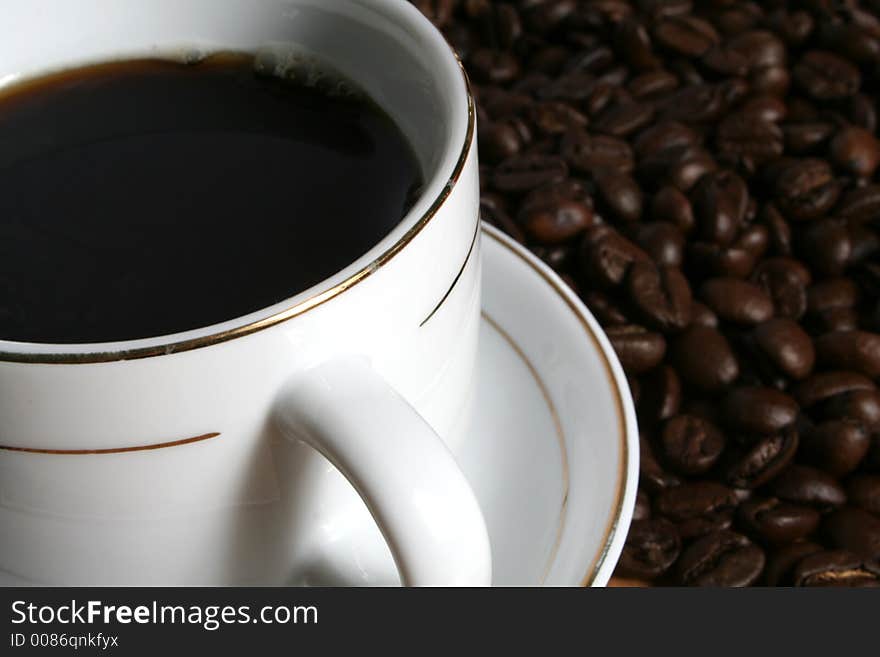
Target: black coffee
<point x="142" y="198"/>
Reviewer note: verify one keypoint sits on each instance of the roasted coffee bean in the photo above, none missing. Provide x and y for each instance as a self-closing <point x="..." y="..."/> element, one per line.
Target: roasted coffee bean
<point x="661" y="395"/>
<point x="661" y="295"/>
<point x="679" y="166"/>
<point x="690" y="444"/>
<point x="623" y="119"/>
<point x="699" y="526"/>
<point x="607" y="256"/>
<point x="522" y="173"/>
<point x="702" y="315"/>
<point x="863" y="491"/>
<point x="642" y="508"/>
<point x="832" y="293"/>
<point x="776" y="522"/>
<point x="835" y="568"/>
<point x="827" y="246"/>
<point x="785" y="346"/>
<point x="854" y="529"/>
<point x="437" y="11"/>
<point x="737" y="301"/>
<point x="556" y="118"/>
<point x="823" y="386"/>
<point x="768" y="109"/>
<point x="858" y="351"/>
<point x="695" y="499"/>
<point x="620" y="194"/>
<point x="703" y="358"/>
<point x="782" y="562"/>
<point x="748" y="141"/>
<point x="802" y="484"/>
<point x="651" y="473"/>
<point x="778" y="230"/>
<point x="638" y="349"/>
<point x="862" y="406"/>
<point x="856" y="150"/>
<point x="652" y="83"/>
<point x="686" y="35"/>
<point x="670" y="205"/>
<point x="557" y="222"/>
<point x="761" y="461"/>
<point x="711" y="260"/>
<point x="596" y="153"/>
<point x="805" y="189"/>
<point x="543" y="17"/>
<point x="661" y="240"/>
<point x="720" y="201"/>
<point x="861" y="204"/>
<point x="494" y="66"/>
<point x="498" y="217"/>
<point x="651" y="547"/>
<point x="825" y="76"/>
<point x="806" y="137"/>
<point x="836" y="446"/>
<point x="606" y="311"/>
<point x="758" y="410"/>
<point x="785" y="280"/>
<point x="722" y="558"/>
<point x="663" y="136"/>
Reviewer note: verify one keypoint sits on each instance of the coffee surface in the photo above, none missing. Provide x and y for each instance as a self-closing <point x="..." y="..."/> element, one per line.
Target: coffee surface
<point x="146" y="197"/>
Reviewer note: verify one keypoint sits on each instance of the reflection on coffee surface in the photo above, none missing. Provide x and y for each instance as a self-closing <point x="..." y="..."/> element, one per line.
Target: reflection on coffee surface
<point x="145" y="197"/>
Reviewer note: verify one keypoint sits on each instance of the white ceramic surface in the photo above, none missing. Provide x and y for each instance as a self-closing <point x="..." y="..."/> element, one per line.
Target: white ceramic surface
<point x="551" y="445"/>
<point x="169" y="460"/>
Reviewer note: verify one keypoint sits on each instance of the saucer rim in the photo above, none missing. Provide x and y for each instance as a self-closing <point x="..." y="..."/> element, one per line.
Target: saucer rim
<point x="621" y="509"/>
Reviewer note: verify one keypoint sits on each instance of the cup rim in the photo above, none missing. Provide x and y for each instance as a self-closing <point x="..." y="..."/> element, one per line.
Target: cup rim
<point x="373" y="260"/>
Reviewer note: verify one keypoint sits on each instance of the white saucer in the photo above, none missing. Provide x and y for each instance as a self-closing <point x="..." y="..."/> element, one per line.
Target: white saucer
<point x="551" y="448"/>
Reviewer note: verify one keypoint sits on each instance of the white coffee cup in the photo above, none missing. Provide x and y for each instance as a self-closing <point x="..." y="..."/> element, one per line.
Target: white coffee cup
<point x="196" y="458"/>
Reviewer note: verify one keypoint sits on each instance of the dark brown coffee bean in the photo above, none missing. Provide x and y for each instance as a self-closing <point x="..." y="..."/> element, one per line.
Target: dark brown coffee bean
<point x="778" y="230"/>
<point x="758" y="410"/>
<point x="762" y="48"/>
<point x="638" y="349"/>
<point x="556" y="118"/>
<point x="806" y="137"/>
<point x="651" y="473"/>
<point x="661" y="395"/>
<point x="823" y="386"/>
<point x="854" y="529"/>
<point x="606" y="311"/>
<point x="670" y="205"/>
<point x="567" y="190"/>
<point x="836" y="446"/>
<point x="498" y="141"/>
<point x="623" y="119"/>
<point x="720" y="201"/>
<point x="725" y="61"/>
<point x="662" y="241"/>
<point x="827" y="246"/>
<point x="777" y="522"/>
<point x="786" y="347"/>
<point x="805" y="189"/>
<point x="802" y="484"/>
<point x="862" y="406"/>
<point x="686" y="35"/>
<point x="835" y="568"/>
<point x="863" y="491"/>
<point x="607" y="256"/>
<point x="699" y="526"/>
<point x="652" y="546"/>
<point x="785" y="280"/>
<point x="661" y="295"/>
<point x="860" y="204"/>
<point x="525" y="172"/>
<point x="558" y="222"/>
<point x="712" y="260"/>
<point x="782" y="562"/>
<point x="832" y="293"/>
<point x="596" y="153"/>
<point x="690" y="444"/>
<point x="748" y="141"/>
<point x="737" y="301"/>
<point x="702" y="315"/>
<point x="571" y="87"/>
<point x="496" y="215"/>
<point x="768" y="109"/>
<point x="652" y="83"/>
<point x="633" y="45"/>
<point x="856" y="150"/>
<point x="858" y="351"/>
<point x="662" y="136"/>
<point x="761" y="461"/>
<point x="437" y="11"/>
<point x="681" y="167"/>
<point x="703" y="358"/>
<point x="543" y="17"/>
<point x="695" y="103"/>
<point x="863" y="113"/>
<point x="621" y="195"/>
<point x="825" y="76"/>
<point x="591" y="60"/>
<point x="723" y="558"/>
<point x="695" y="499"/>
<point x="642" y="508"/>
<point x="494" y="66"/>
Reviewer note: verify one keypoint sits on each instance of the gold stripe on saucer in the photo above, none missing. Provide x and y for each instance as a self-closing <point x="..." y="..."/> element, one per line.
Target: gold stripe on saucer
<point x="114" y="450"/>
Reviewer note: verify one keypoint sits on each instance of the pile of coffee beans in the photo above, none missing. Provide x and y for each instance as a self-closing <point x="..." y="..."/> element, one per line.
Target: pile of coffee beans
<point x="703" y="175"/>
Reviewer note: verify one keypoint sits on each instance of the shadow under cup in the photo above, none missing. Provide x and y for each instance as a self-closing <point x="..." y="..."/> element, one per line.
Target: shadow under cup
<point x="85" y="495"/>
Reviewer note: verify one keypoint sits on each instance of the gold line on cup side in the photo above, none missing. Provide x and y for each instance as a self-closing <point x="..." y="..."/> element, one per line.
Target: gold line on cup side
<point x="112" y="450"/>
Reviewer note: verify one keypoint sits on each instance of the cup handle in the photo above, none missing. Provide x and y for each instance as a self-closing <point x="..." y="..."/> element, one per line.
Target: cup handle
<point x="401" y="468"/>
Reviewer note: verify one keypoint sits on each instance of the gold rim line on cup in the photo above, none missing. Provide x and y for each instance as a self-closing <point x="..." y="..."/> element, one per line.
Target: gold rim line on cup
<point x="298" y="309"/>
<point x="623" y="457"/>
